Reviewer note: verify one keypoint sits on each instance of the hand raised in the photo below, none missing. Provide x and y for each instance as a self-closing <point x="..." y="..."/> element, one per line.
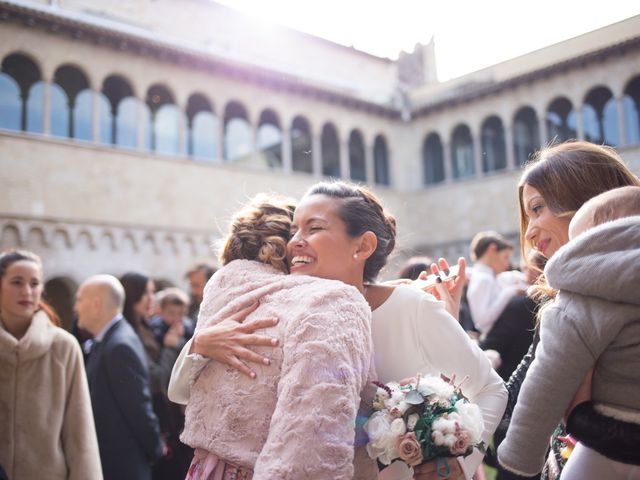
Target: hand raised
<point x="449" y="292"/>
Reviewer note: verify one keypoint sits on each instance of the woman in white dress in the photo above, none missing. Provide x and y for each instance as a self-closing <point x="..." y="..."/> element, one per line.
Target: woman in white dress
<point x="412" y="331"/>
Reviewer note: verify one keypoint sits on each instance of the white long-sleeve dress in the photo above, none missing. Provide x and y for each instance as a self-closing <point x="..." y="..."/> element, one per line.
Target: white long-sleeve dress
<point x="413" y="333"/>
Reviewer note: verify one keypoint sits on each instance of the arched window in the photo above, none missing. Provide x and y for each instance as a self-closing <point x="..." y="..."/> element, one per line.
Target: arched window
<point x="356" y="157"/>
<point x="462" y="152"/>
<point x="381" y="161"/>
<point x="432" y="160"/>
<point x="202" y="128"/>
<point x="600" y="117"/>
<point x="301" y="145"/>
<point x="269" y="140"/>
<point x="165" y="118"/>
<point x="526" y="135"/>
<point x="237" y="133"/>
<point x="494" y="152"/>
<point x="21" y="73"/>
<point x="561" y="121"/>
<point x="79" y="106"/>
<point x="123" y="115"/>
<point x="631" y="105"/>
<point x="10" y="103"/>
<point x="330" y="151"/>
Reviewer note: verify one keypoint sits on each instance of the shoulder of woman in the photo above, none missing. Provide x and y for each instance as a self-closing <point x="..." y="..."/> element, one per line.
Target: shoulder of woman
<point x="328" y="294"/>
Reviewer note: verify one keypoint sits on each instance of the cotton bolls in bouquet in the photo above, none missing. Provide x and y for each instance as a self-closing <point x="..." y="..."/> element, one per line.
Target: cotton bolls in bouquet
<point x="422" y="420"/>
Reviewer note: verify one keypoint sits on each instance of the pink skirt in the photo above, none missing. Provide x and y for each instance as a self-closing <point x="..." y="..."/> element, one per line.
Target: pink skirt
<point x="207" y="466"/>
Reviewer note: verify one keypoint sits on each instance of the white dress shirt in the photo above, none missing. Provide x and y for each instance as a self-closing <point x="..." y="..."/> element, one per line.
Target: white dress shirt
<point x="487" y="297"/>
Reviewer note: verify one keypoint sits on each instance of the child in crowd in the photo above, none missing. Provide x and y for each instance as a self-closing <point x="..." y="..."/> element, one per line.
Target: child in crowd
<point x="594" y="320"/>
<point x="173" y="306"/>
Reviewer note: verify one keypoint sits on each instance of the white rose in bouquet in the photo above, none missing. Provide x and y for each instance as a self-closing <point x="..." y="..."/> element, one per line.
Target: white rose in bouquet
<point x="383" y="439"/>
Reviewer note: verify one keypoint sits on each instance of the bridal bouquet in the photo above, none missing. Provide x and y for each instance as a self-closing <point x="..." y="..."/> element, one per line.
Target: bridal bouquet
<point x="425" y="419"/>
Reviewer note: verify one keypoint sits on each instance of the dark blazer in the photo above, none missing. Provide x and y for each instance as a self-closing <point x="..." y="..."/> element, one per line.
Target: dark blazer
<point x="512" y="333"/>
<point x="128" y="431"/>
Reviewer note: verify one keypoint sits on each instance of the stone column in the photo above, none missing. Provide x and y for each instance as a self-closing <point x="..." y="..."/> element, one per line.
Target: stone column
<point x="287" y="165"/>
<point x="508" y="145"/>
<point x="579" y="123"/>
<point x="369" y="165"/>
<point x="544" y="131"/>
<point x="316" y="155"/>
<point x="448" y="166"/>
<point x="477" y="155"/>
<point x="220" y="144"/>
<point x="345" y="166"/>
<point x="95" y="116"/>
<point x="253" y="141"/>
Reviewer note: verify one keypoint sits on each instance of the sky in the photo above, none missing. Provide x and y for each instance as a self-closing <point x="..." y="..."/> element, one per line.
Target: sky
<point x="469" y="34"/>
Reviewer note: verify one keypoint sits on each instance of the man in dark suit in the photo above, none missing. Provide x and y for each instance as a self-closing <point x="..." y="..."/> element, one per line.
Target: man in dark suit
<point x="128" y="431"/>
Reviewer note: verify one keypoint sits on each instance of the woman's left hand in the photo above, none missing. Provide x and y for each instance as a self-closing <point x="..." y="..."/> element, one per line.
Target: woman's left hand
<point x="449" y="292"/>
<point x="428" y="470"/>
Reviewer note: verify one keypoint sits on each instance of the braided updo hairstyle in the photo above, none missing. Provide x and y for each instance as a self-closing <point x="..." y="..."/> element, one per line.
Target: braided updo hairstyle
<point x="260" y="231"/>
<point x="362" y="211"/>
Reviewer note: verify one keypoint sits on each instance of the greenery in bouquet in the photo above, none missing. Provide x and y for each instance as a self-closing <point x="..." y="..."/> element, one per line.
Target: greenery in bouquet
<point x="421" y="420"/>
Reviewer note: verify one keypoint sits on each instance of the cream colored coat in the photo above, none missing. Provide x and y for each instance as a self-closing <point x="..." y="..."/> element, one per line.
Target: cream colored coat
<point x="46" y="422"/>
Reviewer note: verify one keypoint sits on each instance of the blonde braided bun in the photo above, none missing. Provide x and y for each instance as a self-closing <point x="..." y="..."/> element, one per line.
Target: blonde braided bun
<point x="260" y="231"/>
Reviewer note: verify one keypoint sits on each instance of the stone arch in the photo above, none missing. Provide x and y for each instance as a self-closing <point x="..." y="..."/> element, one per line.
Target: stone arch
<point x="526" y="134"/>
<point x="10" y="237"/>
<point x="25" y="72"/>
<point x="357" y="162"/>
<point x="170" y="246"/>
<point x="60" y="238"/>
<point x="150" y="244"/>
<point x="238" y="133"/>
<point x="129" y="243"/>
<point x="107" y="241"/>
<point x="202" y="127"/>
<point x="381" y="173"/>
<point x="84" y="239"/>
<point x="432" y="159"/>
<point x="301" y="144"/>
<point x="560" y="117"/>
<point x="36" y="238"/>
<point x="269" y="139"/>
<point x="600" y="116"/>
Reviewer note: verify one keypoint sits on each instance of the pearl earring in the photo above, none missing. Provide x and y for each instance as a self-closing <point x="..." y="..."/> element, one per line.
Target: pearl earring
<point x="355" y="256"/>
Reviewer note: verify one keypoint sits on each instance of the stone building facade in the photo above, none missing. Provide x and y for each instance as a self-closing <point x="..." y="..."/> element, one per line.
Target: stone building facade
<point x="130" y="131"/>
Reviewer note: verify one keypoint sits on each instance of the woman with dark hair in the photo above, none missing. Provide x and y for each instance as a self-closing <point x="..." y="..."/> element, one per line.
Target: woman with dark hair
<point x="412" y="332"/>
<point x="139" y="290"/>
<point x="552" y="188"/>
<point x="46" y="421"/>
